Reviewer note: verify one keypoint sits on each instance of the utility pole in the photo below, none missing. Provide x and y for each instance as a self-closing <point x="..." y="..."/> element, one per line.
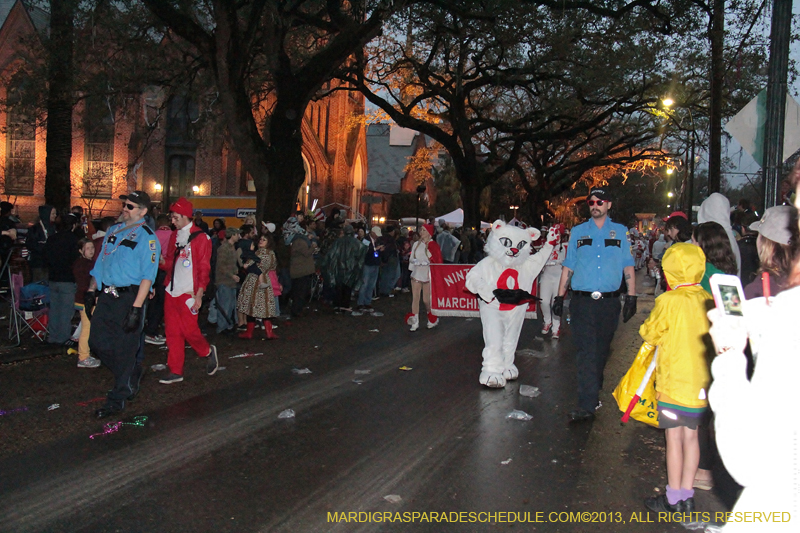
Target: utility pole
<point x="776" y="100"/>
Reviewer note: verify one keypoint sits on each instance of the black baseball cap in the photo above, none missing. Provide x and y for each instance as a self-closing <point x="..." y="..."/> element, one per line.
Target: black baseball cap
<point x="137" y="197"/>
<point x="599" y="193"/>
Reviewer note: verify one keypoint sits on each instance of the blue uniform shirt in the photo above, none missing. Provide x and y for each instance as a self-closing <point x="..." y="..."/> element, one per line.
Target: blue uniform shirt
<point x="598" y="255"/>
<point x="127" y="256"/>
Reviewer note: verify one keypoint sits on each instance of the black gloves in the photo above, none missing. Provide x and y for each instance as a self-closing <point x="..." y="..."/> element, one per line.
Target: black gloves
<point x="558" y="305"/>
<point x="629" y="309"/>
<point x="513" y="296"/>
<point x="132" y="320"/>
<point x="89" y="301"/>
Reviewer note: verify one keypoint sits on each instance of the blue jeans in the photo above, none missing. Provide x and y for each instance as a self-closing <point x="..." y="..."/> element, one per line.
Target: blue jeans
<point x="226" y="308"/>
<point x="369" y="276"/>
<point x="62" y="309"/>
<point x="390" y="272"/>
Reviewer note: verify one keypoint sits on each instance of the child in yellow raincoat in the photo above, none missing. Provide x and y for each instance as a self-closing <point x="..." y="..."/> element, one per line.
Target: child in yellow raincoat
<point x="678" y="325"/>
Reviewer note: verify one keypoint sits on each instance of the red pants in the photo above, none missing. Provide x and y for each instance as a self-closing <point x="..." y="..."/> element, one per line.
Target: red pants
<point x="180" y="326"/>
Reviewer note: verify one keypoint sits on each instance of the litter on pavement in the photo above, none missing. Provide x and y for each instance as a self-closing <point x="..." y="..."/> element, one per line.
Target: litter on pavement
<point x="529" y="391"/>
<point x="506" y="461"/>
<point x="93" y="400"/>
<point x="362" y="372"/>
<point x="113" y="427"/>
<point x="245" y="354"/>
<point x="10" y="411"/>
<point x="53" y="407"/>
<point x="159" y="366"/>
<point x="393" y="498"/>
<point x="406" y="368"/>
<point x="358" y="381"/>
<point x="301" y="371"/>
<point x="286" y="413"/>
<point x="516" y="414"/>
<point x="374" y="331"/>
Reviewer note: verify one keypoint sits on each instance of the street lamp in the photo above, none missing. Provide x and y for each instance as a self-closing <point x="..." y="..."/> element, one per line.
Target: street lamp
<point x="670" y="194"/>
<point x="690" y="156"/>
<point x="420" y="191"/>
<point x="514" y="208"/>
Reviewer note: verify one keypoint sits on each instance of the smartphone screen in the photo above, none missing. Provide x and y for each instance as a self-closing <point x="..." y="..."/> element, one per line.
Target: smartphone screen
<point x="731" y="300"/>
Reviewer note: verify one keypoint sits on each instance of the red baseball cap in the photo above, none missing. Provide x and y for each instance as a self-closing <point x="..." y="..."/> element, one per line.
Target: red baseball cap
<point x="183" y="207"/>
<point x="676" y="214"/>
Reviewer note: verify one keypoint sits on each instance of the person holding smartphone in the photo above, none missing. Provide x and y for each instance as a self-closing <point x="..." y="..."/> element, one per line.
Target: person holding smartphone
<point x="757" y="431"/>
<point x="598" y="256"/>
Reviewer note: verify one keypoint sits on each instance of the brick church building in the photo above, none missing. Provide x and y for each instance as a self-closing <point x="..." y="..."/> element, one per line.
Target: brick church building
<point x="109" y="157"/>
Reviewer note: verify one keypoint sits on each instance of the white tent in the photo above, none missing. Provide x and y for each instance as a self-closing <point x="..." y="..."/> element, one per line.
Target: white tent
<point x="454" y="218"/>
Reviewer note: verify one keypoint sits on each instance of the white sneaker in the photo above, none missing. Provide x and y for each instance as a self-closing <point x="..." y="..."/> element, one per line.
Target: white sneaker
<point x="557" y="333"/>
<point x="158" y="340"/>
<point x="414" y="320"/>
<point x="89" y="362"/>
<point x="546" y="329"/>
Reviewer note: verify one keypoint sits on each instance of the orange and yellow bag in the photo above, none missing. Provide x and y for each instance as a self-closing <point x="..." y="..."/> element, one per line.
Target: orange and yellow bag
<point x="636" y="392"/>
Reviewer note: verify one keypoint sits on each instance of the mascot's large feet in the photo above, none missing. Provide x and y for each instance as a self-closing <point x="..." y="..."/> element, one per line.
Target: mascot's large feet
<point x="492" y="380"/>
<point x="511" y="373"/>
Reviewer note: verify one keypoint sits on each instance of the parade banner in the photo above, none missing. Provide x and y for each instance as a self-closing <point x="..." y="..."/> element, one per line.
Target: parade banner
<point x="450" y="297"/>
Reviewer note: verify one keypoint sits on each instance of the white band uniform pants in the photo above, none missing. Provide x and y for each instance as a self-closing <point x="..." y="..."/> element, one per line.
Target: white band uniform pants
<point x="548" y="290"/>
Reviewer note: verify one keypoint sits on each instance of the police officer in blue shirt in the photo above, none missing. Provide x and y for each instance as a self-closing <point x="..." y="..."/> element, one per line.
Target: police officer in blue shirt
<point x="125" y="269"/>
<point x="597" y="258"/>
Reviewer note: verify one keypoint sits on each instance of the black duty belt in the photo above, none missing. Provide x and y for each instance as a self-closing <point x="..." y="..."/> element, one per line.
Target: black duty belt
<point x="596" y="295"/>
<point x="115" y="291"/>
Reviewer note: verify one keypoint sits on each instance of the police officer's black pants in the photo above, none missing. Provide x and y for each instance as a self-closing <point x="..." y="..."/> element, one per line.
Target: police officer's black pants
<point x="115" y="348"/>
<point x="593" y="325"/>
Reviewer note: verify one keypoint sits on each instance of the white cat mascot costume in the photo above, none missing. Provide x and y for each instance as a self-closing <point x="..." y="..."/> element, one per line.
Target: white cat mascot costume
<point x="508" y="265"/>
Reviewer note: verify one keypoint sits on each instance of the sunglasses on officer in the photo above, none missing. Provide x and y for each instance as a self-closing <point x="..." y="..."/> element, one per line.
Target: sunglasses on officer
<point x="598" y="203"/>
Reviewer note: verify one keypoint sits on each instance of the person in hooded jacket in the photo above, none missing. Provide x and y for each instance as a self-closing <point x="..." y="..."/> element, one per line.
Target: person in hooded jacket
<point x="717" y="208"/>
<point x="343" y="263"/>
<point x="301" y="263"/>
<point x="61" y="251"/>
<point x="36" y="240"/>
<point x="677" y="326"/>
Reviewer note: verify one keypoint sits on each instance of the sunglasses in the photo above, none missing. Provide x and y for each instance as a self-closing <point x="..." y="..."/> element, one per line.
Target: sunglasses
<point x="131" y="207"/>
<point x="598" y="203"/>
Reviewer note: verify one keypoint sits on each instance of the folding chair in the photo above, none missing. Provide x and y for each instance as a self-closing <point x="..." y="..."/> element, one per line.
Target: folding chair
<point x="28" y="309"/>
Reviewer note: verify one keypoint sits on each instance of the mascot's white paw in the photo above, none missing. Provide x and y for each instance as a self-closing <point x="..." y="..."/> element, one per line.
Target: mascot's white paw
<point x="492" y="380"/>
<point x="511" y="373"/>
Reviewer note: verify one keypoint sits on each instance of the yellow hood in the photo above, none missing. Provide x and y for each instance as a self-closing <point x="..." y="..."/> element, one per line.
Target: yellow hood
<point x="683" y="263"/>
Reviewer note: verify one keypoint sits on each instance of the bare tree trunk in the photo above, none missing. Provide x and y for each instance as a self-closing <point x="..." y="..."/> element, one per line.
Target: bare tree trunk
<point x="716" y="35"/>
<point x="286" y="169"/>
<point x="57" y="188"/>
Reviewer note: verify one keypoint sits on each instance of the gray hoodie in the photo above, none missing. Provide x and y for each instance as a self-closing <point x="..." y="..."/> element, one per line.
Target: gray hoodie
<point x="717" y="208"/>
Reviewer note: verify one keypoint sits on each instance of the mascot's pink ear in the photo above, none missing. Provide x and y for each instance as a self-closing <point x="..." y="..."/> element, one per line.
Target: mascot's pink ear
<point x="534" y="233"/>
<point x="497" y="224"/>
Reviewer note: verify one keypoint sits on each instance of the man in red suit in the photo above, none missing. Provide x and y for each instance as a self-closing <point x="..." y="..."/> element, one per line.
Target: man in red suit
<point x="188" y="266"/>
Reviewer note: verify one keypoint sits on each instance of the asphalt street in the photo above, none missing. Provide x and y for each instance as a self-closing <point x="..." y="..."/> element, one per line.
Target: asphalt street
<point x="430" y="435"/>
